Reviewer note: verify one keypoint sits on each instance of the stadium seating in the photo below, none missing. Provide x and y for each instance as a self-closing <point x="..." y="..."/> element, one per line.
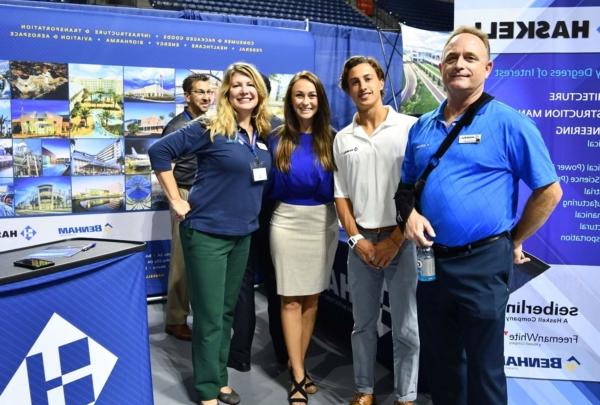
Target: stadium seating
<point x="326" y="11"/>
<point x="425" y="14"/>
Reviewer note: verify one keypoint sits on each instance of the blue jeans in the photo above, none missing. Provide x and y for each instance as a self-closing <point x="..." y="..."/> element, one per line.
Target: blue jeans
<point x="366" y="285"/>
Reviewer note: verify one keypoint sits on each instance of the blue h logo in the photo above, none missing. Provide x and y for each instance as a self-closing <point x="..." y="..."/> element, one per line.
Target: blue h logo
<point x="76" y="389"/>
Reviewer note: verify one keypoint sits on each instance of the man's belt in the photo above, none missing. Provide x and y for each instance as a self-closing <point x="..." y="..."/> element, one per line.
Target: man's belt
<point x="450" y="251"/>
<point x="377" y="230"/>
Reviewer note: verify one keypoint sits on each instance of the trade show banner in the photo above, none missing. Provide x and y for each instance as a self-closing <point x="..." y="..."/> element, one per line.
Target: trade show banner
<point x="84" y="93"/>
<point x="78" y="336"/>
<point x="422" y="89"/>
<point x="546" y="64"/>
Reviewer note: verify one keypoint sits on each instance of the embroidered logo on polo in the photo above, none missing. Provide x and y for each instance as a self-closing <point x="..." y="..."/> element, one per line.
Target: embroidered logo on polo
<point x="63" y="367"/>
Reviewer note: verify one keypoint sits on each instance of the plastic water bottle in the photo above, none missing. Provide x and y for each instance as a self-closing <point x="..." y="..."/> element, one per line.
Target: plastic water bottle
<point x="425" y="263"/>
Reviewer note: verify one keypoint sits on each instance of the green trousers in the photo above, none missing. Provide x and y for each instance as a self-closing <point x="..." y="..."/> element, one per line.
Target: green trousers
<point x="215" y="266"/>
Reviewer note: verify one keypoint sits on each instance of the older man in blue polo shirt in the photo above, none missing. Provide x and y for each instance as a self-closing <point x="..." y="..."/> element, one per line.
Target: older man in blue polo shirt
<point x="467" y="211"/>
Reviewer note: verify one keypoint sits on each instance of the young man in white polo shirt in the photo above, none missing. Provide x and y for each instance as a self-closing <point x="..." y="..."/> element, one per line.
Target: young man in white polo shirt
<point x="369" y="154"/>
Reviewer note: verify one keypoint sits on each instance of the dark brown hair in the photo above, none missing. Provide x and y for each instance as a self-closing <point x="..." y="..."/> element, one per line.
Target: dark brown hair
<point x="322" y="135"/>
<point x="189" y="81"/>
<point x="355" y="61"/>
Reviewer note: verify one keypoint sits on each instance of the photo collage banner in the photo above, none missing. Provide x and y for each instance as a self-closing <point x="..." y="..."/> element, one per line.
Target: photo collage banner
<point x="83" y="96"/>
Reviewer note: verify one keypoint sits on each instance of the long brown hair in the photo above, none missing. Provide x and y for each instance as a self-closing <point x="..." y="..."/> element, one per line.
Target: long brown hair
<point x="289" y="133"/>
<point x="226" y="121"/>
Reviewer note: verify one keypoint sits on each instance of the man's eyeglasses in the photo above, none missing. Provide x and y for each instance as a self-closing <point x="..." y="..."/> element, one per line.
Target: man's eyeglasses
<point x="203" y="92"/>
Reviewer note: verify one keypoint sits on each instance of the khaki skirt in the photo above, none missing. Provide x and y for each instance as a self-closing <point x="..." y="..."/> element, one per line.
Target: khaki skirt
<point x="303" y="244"/>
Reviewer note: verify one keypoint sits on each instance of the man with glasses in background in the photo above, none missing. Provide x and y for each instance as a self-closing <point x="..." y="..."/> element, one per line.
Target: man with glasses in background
<point x="199" y="95"/>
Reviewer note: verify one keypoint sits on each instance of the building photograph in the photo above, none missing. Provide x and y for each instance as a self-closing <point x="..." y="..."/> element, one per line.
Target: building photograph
<point x="423" y="89"/>
<point x="138" y="192"/>
<point x="159" y="199"/>
<point x="149" y="84"/>
<point x="92" y="157"/>
<point x="96" y="100"/>
<point x="42" y="196"/>
<point x="4" y="83"/>
<point x="27" y="157"/>
<point x="39" y="80"/>
<point x="279" y="84"/>
<point x="98" y="194"/>
<point x="56" y="157"/>
<point x="7" y="197"/>
<point x="6" y="159"/>
<point x="136" y="155"/>
<point x="146" y="119"/>
<point x="5" y="127"/>
<point x="40" y="118"/>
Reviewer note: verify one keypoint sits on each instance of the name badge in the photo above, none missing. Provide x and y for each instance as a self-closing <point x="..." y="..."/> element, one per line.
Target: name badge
<point x="261" y="145"/>
<point x="259" y="174"/>
<point x="475" y="138"/>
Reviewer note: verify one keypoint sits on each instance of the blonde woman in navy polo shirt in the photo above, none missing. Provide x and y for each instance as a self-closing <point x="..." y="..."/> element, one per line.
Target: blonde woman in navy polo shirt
<point x="304" y="226"/>
<point x="222" y="212"/>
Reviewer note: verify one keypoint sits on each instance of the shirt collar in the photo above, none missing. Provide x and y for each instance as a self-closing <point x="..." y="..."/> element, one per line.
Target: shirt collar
<point x="438" y="113"/>
<point x="242" y="131"/>
<point x="389" y="120"/>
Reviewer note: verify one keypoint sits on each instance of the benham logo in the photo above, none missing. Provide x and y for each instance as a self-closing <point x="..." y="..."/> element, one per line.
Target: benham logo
<point x="69" y="230"/>
<point x="572" y="363"/>
<point x="533" y="362"/>
<point x="540" y="362"/>
<point x="63" y="367"/>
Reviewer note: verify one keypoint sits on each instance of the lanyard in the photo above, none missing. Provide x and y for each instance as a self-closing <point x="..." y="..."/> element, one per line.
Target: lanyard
<point x="250" y="146"/>
<point x="258" y="169"/>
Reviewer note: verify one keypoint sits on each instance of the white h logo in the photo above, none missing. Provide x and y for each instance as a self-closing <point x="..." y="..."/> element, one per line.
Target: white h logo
<point x="63" y="367"/>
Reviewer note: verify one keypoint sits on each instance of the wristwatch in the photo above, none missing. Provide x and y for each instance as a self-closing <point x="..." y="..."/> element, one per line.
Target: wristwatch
<point x="353" y="240"/>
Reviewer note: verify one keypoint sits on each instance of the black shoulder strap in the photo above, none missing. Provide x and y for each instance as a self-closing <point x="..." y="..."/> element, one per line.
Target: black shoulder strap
<point x="466" y="119"/>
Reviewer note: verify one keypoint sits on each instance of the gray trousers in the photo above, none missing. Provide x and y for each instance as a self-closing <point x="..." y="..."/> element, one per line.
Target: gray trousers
<point x="366" y="285"/>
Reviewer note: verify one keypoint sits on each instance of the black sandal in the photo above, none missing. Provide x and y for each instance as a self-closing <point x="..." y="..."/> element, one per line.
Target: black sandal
<point x="297" y="387"/>
<point x="310" y="387"/>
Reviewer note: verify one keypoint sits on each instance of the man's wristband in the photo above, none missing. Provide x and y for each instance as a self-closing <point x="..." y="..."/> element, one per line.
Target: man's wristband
<point x="353" y="240"/>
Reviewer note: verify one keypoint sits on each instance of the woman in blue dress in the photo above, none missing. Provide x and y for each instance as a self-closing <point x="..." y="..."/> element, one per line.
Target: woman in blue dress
<point x="304" y="226"/>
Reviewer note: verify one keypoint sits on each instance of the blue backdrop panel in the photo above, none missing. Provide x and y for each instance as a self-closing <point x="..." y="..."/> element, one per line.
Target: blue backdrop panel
<point x="333" y="45"/>
<point x="80" y="334"/>
<point x="101" y="37"/>
<point x="563" y="239"/>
